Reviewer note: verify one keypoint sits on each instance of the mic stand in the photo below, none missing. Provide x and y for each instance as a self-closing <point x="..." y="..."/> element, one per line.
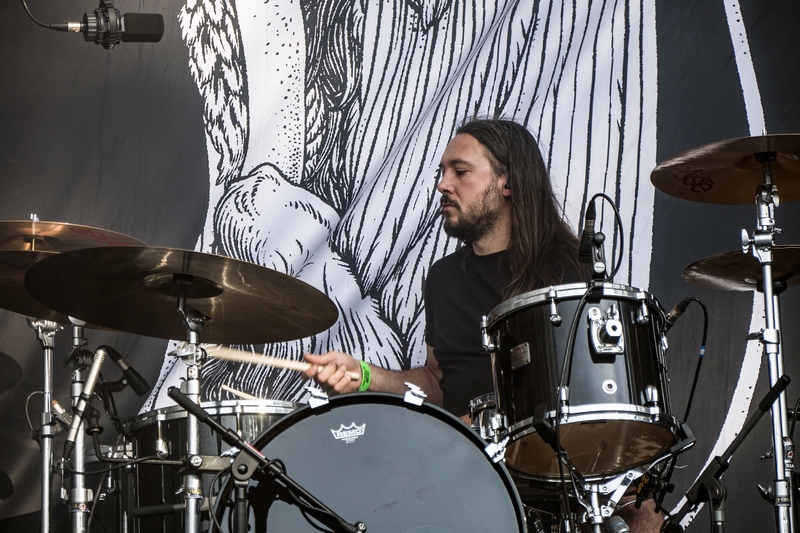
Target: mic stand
<point x="46" y="332"/>
<point x="598" y="256"/>
<point x="761" y="245"/>
<point x="708" y="487"/>
<point x="249" y="461"/>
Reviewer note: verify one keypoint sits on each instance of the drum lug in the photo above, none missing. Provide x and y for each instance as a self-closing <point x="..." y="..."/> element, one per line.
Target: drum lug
<point x="497" y="450"/>
<point x="643" y="315"/>
<point x="486" y="339"/>
<point x="650" y="396"/>
<point x="414" y="395"/>
<point x="555" y="316"/>
<point x="317" y="397"/>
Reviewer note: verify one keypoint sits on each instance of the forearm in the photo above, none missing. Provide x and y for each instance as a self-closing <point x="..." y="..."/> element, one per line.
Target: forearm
<point x="384" y="380"/>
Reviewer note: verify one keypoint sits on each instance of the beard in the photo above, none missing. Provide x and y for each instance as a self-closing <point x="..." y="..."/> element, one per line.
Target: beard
<point x="476" y="222"/>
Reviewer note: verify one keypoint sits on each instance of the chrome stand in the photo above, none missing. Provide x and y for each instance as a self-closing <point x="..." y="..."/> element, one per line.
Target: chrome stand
<point x="761" y="245"/>
<point x="45" y="332"/>
<point x="79" y="496"/>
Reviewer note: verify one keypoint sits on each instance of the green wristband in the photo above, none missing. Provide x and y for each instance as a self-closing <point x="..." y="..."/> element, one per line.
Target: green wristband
<point x="366" y="376"/>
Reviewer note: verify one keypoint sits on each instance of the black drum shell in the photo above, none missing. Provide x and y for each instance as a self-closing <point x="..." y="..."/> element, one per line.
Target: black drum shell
<point x="610" y="424"/>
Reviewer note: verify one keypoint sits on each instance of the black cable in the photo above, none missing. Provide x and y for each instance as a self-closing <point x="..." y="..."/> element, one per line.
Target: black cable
<point x="567" y="364"/>
<point x="28" y="11"/>
<point x="673" y="463"/>
<point x="211" y="508"/>
<point x="700" y="358"/>
<point x="106" y="473"/>
<point x="794" y="418"/>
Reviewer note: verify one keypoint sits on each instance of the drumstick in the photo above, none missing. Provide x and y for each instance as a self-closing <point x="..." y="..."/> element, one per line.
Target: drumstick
<point x="240" y="394"/>
<point x="239" y="356"/>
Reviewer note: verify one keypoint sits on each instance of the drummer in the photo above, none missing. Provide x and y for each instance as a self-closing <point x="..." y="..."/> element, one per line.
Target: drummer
<point x="498" y="200"/>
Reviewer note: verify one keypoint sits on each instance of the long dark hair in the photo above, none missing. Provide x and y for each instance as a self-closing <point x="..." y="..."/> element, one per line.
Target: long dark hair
<point x="543" y="249"/>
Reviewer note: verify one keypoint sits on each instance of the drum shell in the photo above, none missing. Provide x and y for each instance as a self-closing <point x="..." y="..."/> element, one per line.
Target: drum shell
<point x="165" y="430"/>
<point x="609" y="412"/>
<point x="412" y="468"/>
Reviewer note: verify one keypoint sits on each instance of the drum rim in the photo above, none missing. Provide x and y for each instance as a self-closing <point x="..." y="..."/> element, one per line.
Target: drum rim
<point x="398" y="400"/>
<point x="217" y="408"/>
<point x="568" y="291"/>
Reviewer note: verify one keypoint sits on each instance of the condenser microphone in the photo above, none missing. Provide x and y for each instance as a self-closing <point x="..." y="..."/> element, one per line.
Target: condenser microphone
<point x="129" y="375"/>
<point x="585" y="247"/>
<point x="83" y="401"/>
<point x="676" y="312"/>
<point x="108" y="27"/>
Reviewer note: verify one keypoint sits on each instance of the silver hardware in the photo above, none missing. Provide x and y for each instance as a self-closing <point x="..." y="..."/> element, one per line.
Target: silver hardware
<point x="520" y="355"/>
<point x="414" y="395"/>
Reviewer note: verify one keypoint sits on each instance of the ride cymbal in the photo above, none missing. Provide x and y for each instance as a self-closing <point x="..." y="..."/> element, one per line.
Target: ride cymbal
<point x="738" y="271"/>
<point x="730" y="171"/>
<point x="136" y="290"/>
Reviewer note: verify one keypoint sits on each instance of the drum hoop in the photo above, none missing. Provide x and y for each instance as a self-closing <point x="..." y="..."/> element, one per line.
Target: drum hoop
<point x="572" y="290"/>
<point x="217" y="408"/>
<point x="609" y="413"/>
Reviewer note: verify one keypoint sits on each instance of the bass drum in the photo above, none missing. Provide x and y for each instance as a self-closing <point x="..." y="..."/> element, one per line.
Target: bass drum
<point x="395" y="466"/>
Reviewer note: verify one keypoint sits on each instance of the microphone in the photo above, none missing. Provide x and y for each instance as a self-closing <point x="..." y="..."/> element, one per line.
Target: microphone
<point x="585" y="247"/>
<point x="676" y="312"/>
<point x="615" y="524"/>
<point x="108" y="28"/>
<point x="130" y="376"/>
<point x="83" y="401"/>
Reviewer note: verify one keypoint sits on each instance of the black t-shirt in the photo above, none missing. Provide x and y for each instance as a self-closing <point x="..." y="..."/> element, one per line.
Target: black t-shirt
<point x="460" y="289"/>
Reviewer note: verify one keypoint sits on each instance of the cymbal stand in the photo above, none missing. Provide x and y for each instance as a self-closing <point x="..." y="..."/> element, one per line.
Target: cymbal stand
<point x="192" y="356"/>
<point x="45" y="332"/>
<point x="761" y="245"/>
<point x="79" y="496"/>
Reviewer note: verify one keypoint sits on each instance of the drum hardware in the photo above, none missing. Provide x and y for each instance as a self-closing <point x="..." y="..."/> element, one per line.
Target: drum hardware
<point x="709" y="487"/>
<point x="251" y="461"/>
<point x="766" y="163"/>
<point x="45" y="333"/>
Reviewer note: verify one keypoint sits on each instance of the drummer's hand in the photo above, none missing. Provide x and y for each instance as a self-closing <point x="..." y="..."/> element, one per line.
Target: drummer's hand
<point x="331" y="370"/>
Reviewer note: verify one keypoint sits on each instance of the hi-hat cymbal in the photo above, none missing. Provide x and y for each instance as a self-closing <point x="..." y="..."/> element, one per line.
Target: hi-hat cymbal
<point x="136" y="289"/>
<point x="730" y="171"/>
<point x="28" y="235"/>
<point x="738" y="271"/>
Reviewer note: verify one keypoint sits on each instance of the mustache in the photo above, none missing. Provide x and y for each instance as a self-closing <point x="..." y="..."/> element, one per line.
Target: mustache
<point x="447" y="200"/>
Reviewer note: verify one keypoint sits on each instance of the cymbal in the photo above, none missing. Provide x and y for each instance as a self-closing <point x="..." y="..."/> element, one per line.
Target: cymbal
<point x="136" y="290"/>
<point x="738" y="271"/>
<point x="23" y="243"/>
<point x="27" y="235"/>
<point x="729" y="172"/>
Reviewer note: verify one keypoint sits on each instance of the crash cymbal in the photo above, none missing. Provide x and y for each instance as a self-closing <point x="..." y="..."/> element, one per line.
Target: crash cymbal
<point x="738" y="271"/>
<point x="729" y="172"/>
<point x="23" y="243"/>
<point x="28" y="235"/>
<point x="136" y="289"/>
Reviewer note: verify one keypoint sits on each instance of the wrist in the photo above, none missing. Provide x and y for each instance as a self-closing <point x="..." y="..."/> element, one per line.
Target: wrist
<point x="366" y="376"/>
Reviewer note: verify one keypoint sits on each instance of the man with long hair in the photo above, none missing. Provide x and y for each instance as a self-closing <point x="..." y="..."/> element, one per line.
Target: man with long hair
<point x="498" y="200"/>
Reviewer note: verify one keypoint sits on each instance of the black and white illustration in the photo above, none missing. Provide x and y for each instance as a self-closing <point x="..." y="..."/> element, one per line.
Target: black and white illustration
<point x="324" y="132"/>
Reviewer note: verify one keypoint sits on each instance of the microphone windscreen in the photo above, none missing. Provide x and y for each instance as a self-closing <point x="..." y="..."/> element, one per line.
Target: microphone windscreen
<point x="142" y="27"/>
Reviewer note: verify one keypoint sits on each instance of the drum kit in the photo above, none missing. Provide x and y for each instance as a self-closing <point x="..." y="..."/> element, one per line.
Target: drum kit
<point x="580" y="415"/>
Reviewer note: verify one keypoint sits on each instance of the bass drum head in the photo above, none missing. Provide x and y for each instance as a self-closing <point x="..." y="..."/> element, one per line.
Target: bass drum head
<point x="394" y="466"/>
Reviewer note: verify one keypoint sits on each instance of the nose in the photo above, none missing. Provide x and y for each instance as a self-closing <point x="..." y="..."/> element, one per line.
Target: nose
<point x="445" y="184"/>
